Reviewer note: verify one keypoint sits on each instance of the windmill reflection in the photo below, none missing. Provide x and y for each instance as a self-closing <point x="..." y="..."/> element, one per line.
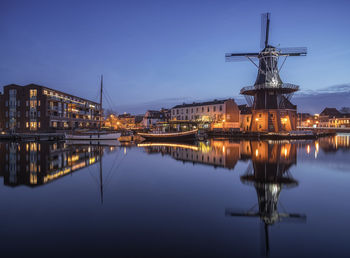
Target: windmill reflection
<point x="269" y="173"/>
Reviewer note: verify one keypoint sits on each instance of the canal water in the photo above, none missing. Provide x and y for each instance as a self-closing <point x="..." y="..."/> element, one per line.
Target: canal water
<point x="218" y="198"/>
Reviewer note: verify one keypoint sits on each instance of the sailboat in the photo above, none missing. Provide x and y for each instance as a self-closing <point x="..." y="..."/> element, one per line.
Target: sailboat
<point x="93" y="136"/>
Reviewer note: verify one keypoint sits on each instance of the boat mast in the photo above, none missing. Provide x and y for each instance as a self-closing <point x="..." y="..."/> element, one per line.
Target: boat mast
<point x="101" y="92"/>
<point x="100" y="147"/>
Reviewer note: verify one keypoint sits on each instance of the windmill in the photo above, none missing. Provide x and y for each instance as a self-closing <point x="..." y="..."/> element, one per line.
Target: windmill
<point x="269" y="98"/>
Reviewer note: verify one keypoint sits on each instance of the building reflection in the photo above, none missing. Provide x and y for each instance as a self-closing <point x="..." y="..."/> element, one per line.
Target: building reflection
<point x="214" y="153"/>
<point x="335" y="143"/>
<point x="37" y="163"/>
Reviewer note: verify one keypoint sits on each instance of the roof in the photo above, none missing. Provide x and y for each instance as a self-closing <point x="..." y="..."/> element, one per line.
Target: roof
<point x="195" y="104"/>
<point x="343" y="115"/>
<point x="330" y="112"/>
<point x="154" y="114"/>
<point x="244" y="109"/>
<point x="138" y="119"/>
<point x="44" y="87"/>
<point x="125" y="116"/>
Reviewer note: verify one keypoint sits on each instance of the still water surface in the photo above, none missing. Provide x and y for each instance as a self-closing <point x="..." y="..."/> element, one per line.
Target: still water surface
<point x="210" y="199"/>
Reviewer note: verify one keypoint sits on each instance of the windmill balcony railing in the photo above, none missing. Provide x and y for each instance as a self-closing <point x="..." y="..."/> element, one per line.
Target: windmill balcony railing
<point x="287" y="87"/>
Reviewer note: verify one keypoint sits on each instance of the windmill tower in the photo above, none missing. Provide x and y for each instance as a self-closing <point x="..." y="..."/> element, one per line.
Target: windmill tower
<point x="269" y="98"/>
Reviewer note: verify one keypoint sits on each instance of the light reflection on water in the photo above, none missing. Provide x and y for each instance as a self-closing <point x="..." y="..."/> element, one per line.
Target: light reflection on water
<point x="179" y="199"/>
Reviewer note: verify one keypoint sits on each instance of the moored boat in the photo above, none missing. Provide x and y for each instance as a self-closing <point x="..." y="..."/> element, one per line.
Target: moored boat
<point x="175" y="136"/>
<point x="92" y="136"/>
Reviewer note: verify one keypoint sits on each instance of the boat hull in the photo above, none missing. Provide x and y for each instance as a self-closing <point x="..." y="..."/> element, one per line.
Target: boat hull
<point x="181" y="136"/>
<point x="93" y="137"/>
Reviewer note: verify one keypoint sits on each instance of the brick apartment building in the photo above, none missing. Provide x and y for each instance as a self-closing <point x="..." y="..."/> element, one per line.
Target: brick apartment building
<point x="35" y="108"/>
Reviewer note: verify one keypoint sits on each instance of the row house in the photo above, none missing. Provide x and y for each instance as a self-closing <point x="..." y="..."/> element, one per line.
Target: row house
<point x="332" y="117"/>
<point x="152" y="117"/>
<point x="220" y="113"/>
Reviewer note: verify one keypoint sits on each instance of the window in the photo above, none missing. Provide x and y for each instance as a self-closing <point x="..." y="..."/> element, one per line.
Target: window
<point x="208" y="109"/>
<point x="214" y="108"/>
<point x="38" y="113"/>
<point x="39" y="103"/>
<point x="196" y="109"/>
<point x="32" y="93"/>
<point x="191" y="110"/>
<point x="202" y="109"/>
<point x="247" y="118"/>
<point x="27" y="124"/>
<point x="220" y="107"/>
<point x="33" y="125"/>
<point x="186" y="110"/>
<point x="39" y="124"/>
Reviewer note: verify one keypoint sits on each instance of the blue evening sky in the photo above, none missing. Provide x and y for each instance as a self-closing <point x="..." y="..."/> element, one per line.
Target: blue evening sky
<point x="158" y="50"/>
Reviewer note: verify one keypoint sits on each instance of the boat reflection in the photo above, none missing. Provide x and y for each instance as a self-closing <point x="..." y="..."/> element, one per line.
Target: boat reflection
<point x="38" y="163"/>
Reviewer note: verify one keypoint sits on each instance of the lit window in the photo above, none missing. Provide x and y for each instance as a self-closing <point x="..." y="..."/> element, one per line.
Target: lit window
<point x="33" y="93"/>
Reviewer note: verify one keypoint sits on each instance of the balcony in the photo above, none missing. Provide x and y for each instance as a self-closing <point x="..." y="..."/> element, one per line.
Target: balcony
<point x="284" y="88"/>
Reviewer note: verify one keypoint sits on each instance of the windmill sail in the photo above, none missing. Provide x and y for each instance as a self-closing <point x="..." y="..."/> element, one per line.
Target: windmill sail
<point x="234" y="57"/>
<point x="265" y="28"/>
<point x="292" y="51"/>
